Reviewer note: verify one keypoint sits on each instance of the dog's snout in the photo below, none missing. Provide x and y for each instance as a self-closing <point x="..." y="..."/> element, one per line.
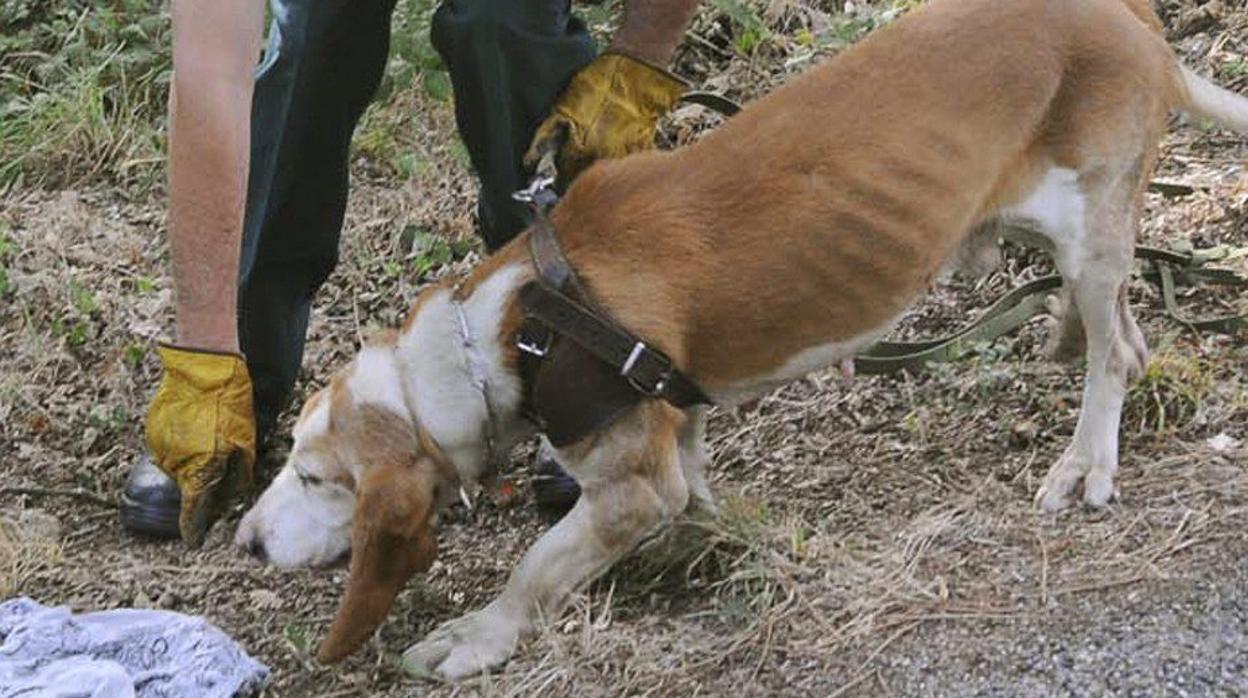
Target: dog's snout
<point x="257" y="550"/>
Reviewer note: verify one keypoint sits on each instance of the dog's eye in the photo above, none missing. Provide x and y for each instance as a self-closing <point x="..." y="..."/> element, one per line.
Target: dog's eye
<point x="308" y="480"/>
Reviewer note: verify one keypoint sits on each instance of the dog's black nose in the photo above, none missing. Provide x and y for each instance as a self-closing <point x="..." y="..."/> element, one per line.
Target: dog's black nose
<point x="256" y="548"/>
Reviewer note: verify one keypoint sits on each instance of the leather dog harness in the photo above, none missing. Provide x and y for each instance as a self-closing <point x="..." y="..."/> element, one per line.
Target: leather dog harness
<point x="581" y="369"/>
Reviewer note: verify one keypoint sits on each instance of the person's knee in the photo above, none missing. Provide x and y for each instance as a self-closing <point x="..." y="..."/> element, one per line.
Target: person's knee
<point x="302" y="28"/>
<point x="287" y="42"/>
<point x="479" y="15"/>
<point x="458" y="21"/>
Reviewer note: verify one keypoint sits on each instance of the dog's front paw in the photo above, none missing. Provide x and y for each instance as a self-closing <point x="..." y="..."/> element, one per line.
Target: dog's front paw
<point x="464" y="646"/>
<point x="1057" y="492"/>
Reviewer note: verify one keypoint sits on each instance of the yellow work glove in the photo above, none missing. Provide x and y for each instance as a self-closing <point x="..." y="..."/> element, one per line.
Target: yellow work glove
<point x="609" y="109"/>
<point x="202" y="433"/>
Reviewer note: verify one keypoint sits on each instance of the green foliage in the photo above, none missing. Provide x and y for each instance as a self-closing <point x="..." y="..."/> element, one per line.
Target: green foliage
<point x="108" y="418"/>
<point x="752" y="30"/>
<point x="298" y="639"/>
<point x="430" y="252"/>
<point x="600" y="17"/>
<point x="414" y="66"/>
<point x="1170" y="394"/>
<point x="1233" y="68"/>
<point x="84" y="301"/>
<point x="83" y="87"/>
<point x="73" y="331"/>
<point x="134" y="354"/>
<point x="6" y="247"/>
<point x="412" y="56"/>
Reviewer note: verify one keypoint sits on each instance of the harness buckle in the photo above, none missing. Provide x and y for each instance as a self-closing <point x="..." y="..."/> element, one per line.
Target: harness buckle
<point x="660" y="366"/>
<point x="534" y="344"/>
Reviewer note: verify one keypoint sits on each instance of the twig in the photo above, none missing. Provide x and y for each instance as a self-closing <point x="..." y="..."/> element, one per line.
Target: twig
<point x="874" y="653"/>
<point x="1099" y="586"/>
<point x="46" y="492"/>
<point x="863" y="676"/>
<point x="335" y="694"/>
<point x="1173" y="189"/>
<point x="762" y="656"/>
<point x="1044" y="571"/>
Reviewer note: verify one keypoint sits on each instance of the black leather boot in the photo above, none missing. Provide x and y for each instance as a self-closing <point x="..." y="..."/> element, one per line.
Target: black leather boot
<point x="151" y="502"/>
<point x="554" y="490"/>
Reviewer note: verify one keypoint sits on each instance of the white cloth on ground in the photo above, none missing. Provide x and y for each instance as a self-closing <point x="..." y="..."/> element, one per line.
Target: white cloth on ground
<point x="117" y="654"/>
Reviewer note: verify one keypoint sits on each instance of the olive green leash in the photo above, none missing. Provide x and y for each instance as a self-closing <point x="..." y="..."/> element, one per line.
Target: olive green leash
<point x="1168" y="269"/>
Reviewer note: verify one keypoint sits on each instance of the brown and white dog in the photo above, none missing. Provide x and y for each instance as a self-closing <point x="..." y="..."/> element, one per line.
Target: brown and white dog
<point x="785" y="241"/>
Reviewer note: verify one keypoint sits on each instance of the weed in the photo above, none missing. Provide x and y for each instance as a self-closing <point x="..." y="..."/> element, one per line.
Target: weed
<point x="734" y="554"/>
<point x="752" y="30"/>
<point x="1233" y="68"/>
<point x="1169" y="395"/>
<point x="134" y="354"/>
<point x="82" y="298"/>
<point x="428" y="252"/>
<point x="73" y="331"/>
<point x="108" y="418"/>
<point x="385" y="127"/>
<point x="298" y="639"/>
<point x="6" y="247"/>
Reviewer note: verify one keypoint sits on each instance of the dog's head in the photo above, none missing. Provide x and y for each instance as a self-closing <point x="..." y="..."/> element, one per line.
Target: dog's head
<point x="361" y="477"/>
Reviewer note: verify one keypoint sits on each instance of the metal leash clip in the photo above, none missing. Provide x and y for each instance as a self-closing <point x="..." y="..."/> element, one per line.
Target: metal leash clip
<point x="540" y="194"/>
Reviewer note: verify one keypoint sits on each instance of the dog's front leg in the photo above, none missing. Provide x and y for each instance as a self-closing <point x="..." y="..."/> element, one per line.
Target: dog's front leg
<point x="632" y="486"/>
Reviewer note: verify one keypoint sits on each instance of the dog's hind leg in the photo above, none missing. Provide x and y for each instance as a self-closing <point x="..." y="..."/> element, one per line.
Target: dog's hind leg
<point x="694" y="459"/>
<point x="632" y="485"/>
<point x="1094" y="234"/>
<point x="1066" y="340"/>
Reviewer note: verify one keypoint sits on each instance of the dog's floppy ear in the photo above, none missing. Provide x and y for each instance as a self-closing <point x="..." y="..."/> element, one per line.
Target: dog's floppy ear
<point x="391" y="539"/>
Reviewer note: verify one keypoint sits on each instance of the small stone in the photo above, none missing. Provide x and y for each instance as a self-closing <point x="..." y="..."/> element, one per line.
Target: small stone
<point x="1222" y="443"/>
<point x="265" y="599"/>
<point x="1023" y="433"/>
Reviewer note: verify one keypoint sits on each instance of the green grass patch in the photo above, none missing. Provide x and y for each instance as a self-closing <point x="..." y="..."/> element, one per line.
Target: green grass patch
<point x="83" y="88"/>
<point x="6" y="249"/>
<point x="732" y="555"/>
<point x="1170" y="395"/>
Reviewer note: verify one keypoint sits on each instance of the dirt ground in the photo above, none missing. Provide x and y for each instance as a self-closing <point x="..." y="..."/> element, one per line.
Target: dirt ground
<point x="877" y="535"/>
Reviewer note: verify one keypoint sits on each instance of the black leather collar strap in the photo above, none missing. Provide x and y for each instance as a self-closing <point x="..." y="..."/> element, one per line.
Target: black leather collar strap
<point x="581" y="369"/>
<point x="648" y="370"/>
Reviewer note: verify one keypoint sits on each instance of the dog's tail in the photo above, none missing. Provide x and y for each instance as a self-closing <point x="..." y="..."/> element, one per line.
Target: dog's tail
<point x="1210" y="101"/>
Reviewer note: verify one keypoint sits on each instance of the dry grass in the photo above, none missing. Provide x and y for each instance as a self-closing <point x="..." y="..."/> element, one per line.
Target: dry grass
<point x="29" y="542"/>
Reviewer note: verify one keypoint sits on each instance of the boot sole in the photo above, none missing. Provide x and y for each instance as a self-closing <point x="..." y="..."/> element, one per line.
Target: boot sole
<point x="148" y="520"/>
<point x="555" y="495"/>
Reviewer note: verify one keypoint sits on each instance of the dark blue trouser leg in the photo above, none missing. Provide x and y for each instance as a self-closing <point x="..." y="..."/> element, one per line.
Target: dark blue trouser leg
<point x="509" y="60"/>
<point x="322" y="66"/>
